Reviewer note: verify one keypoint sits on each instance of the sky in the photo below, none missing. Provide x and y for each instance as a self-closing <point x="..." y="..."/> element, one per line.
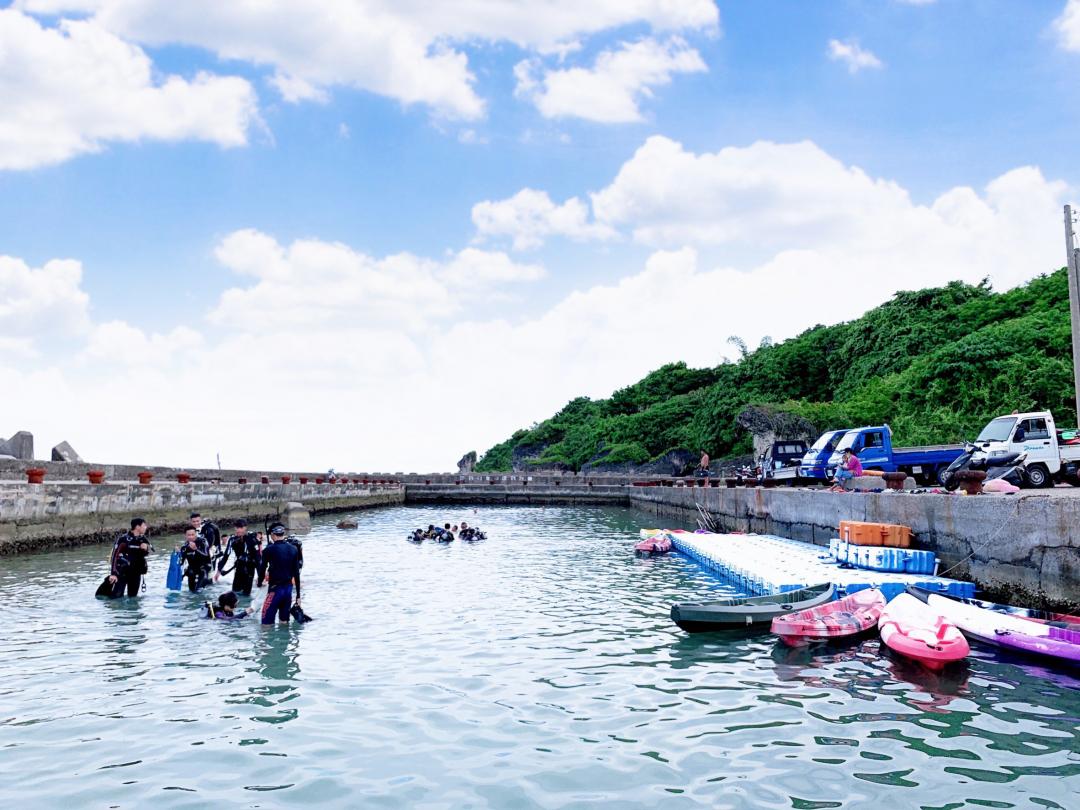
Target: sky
<point x="377" y="234"/>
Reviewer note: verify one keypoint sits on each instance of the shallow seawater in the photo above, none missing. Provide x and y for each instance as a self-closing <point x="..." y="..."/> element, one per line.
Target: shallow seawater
<point x="536" y="669"/>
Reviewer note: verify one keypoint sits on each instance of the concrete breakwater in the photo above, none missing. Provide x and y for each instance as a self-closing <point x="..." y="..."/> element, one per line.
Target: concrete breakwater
<point x="1024" y="549"/>
<point x="36" y="516"/>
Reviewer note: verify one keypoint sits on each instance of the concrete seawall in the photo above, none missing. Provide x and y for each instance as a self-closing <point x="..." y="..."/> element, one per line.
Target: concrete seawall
<point x="37" y="516"/>
<point x="521" y="491"/>
<point x="1025" y="548"/>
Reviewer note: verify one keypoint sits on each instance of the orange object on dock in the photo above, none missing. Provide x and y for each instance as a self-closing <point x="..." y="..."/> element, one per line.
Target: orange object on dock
<point x="862" y="533"/>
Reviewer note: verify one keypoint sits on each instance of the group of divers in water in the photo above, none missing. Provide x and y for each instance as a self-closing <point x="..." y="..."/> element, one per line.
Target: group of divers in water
<point x="273" y="558"/>
<point x="447" y="533"/>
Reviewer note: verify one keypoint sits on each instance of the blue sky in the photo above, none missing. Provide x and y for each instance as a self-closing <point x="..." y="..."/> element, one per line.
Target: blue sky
<point x="890" y="119"/>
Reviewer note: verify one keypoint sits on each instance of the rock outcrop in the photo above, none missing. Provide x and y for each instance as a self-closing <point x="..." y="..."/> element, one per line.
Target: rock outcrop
<point x="467" y="462"/>
<point x="768" y="426"/>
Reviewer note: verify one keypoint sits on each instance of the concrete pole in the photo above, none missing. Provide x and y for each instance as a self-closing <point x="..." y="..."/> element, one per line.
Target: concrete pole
<point x="1073" y="255"/>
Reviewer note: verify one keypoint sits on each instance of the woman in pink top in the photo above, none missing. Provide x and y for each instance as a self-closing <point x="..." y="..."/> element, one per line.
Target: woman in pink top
<point x="850" y="467"/>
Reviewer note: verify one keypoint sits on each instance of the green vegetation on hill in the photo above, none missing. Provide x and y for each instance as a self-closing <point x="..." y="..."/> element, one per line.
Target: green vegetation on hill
<point x="935" y="364"/>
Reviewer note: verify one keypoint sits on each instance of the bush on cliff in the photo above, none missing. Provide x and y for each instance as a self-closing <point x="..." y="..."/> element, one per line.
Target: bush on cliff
<point x="935" y="364"/>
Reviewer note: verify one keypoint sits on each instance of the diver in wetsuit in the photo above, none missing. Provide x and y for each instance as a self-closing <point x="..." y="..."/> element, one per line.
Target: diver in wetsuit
<point x="196" y="555"/>
<point x="246" y="549"/>
<point x="209" y="532"/>
<point x="282" y="559"/>
<point x="127" y="563"/>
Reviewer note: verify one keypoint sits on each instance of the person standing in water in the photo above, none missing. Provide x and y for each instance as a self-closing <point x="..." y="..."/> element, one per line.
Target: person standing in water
<point x="282" y="560"/>
<point x="127" y="563"/>
<point x="246" y="550"/>
<point x="196" y="556"/>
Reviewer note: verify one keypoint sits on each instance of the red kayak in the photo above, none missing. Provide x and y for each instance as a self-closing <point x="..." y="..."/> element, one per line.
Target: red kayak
<point x="913" y="629"/>
<point x="834" y="620"/>
<point x="655" y="545"/>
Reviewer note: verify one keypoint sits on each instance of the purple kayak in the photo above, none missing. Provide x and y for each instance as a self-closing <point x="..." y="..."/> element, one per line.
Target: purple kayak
<point x="1010" y="632"/>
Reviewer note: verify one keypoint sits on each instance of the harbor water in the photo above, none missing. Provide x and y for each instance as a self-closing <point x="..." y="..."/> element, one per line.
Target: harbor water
<point x="538" y="668"/>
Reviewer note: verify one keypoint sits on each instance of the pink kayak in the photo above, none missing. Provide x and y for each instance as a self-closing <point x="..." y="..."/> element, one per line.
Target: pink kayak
<point x="655" y="545"/>
<point x="913" y="629"/>
<point x="849" y="616"/>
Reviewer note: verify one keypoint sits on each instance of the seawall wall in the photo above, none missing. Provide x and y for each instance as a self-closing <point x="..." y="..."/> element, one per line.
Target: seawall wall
<point x="37" y="516"/>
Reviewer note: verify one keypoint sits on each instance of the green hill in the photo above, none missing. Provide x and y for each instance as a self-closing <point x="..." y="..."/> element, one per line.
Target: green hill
<point x="935" y="364"/>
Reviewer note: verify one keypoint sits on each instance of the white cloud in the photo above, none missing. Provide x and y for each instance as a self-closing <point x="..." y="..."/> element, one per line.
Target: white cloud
<point x="125" y="345"/>
<point x="767" y="194"/>
<point x="611" y="90"/>
<point x="312" y="283"/>
<point x="473" y="268"/>
<point x="39" y="302"/>
<point x="74" y="88"/>
<point x="402" y="49"/>
<point x="1068" y="26"/>
<point x="530" y="216"/>
<point x="853" y="56"/>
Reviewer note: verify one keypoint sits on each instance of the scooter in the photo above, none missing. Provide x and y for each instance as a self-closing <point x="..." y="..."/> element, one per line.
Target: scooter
<point x="1012" y="473"/>
<point x="975" y="458"/>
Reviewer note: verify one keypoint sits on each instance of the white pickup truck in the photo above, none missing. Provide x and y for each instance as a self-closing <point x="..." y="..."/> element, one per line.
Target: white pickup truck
<point x="1050" y="456"/>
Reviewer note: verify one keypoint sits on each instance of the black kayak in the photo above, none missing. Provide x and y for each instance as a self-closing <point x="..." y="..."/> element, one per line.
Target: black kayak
<point x="745" y="611"/>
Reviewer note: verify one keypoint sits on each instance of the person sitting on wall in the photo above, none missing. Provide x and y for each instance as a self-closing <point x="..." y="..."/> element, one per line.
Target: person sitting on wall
<point x="850" y="467"/>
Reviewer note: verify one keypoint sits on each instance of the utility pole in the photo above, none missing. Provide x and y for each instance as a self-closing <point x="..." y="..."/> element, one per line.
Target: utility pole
<point x="1073" y="255"/>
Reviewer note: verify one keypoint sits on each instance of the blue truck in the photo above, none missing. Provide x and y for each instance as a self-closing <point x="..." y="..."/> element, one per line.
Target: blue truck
<point x="816" y="461"/>
<point x="873" y="445"/>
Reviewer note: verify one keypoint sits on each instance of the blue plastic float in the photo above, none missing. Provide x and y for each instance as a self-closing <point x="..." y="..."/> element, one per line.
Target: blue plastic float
<point x="762" y="564"/>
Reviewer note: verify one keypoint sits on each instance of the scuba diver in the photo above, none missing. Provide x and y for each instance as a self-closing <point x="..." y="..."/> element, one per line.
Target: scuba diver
<point x="281" y="559"/>
<point x="127" y="563"/>
<point x="247" y="549"/>
<point x="417" y="536"/>
<point x="209" y="531"/>
<point x="196" y="555"/>
<point x="226" y="608"/>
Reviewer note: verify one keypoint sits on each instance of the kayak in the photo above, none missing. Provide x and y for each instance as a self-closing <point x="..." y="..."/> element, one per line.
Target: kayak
<point x="913" y="629"/>
<point x="846" y="617"/>
<point x="743" y="611"/>
<point x="175" y="578"/>
<point x="1012" y="610"/>
<point x="657" y="544"/>
<point x="1010" y="632"/>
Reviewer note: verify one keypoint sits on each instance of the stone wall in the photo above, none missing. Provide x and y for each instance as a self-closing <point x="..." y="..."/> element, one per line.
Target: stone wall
<point x="1023" y="548"/>
<point x="36" y="516"/>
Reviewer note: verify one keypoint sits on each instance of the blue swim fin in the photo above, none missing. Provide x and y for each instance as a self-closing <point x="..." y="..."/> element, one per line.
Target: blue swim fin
<point x="175" y="577"/>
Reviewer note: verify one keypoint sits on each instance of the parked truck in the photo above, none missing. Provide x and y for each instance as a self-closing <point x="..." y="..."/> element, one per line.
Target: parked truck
<point x="781" y="459"/>
<point x="873" y="445"/>
<point x="1052" y="455"/>
<point x="816" y="460"/>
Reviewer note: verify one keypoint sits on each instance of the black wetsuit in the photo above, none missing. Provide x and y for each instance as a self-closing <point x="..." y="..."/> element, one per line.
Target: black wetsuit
<point x="198" y="563"/>
<point x="128" y="564"/>
<point x="245" y="549"/>
<point x="282" y="559"/>
<point x="211" y="535"/>
<point x="263" y="561"/>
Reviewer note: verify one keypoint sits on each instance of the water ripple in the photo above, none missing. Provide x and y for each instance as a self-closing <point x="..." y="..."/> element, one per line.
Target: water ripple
<point x="536" y="669"/>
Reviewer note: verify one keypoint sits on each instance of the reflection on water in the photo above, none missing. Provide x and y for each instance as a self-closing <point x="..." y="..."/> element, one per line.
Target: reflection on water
<point x="536" y="669"/>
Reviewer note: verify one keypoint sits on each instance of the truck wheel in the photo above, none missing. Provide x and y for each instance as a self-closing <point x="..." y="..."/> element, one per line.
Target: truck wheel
<point x="1037" y="476"/>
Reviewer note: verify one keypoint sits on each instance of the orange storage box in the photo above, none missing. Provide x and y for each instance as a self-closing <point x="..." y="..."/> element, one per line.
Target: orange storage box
<point x="861" y="533"/>
<point x="897" y="536"/>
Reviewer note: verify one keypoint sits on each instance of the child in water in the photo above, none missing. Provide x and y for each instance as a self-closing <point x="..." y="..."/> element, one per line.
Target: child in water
<point x="226" y="608"/>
